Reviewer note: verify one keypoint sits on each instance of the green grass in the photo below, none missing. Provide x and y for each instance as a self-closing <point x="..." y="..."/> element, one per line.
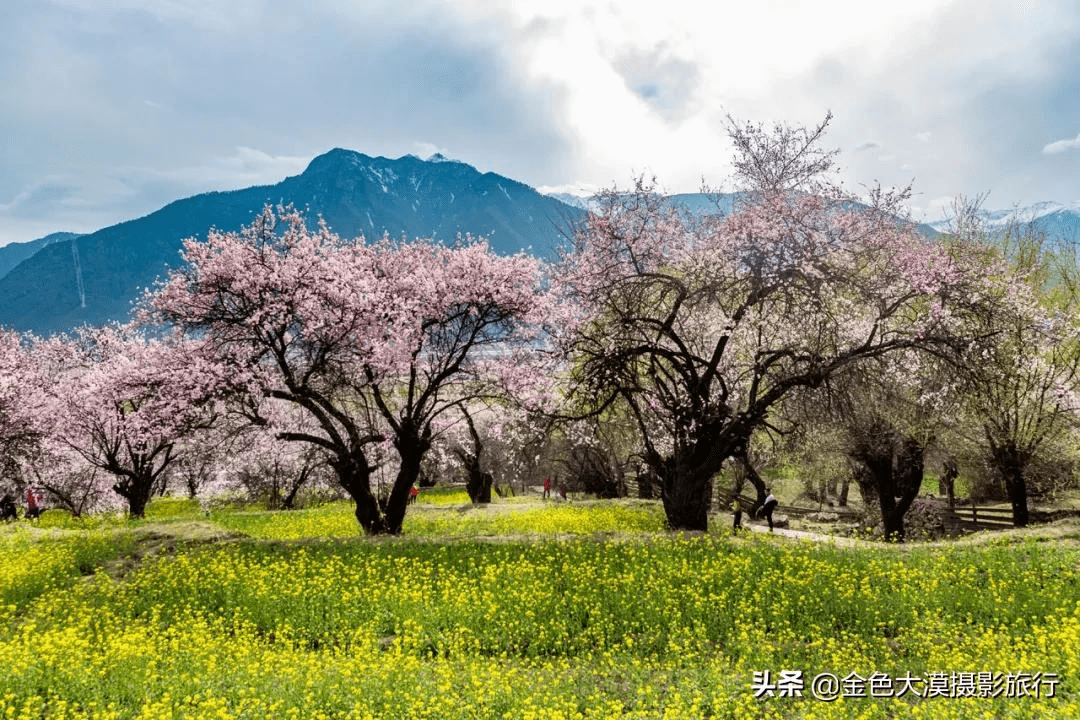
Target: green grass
<point x="531" y="610"/>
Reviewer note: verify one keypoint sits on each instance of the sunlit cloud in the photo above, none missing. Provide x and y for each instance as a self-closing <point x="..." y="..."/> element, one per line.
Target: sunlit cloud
<point x="1061" y="146"/>
<point x="135" y="103"/>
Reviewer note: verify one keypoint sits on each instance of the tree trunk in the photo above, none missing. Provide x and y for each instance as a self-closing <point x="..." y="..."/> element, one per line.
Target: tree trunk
<point x="873" y="470"/>
<point x="289" y="501"/>
<point x="354" y="476"/>
<point x="686" y="479"/>
<point x="686" y="495"/>
<point x="368" y="513"/>
<point x="947" y="482"/>
<point x="909" y="469"/>
<point x="1017" y="488"/>
<point x="1012" y="463"/>
<point x="137" y="492"/>
<point x="749" y="473"/>
<point x="880" y="472"/>
<point x="898" y="479"/>
<point x="686" y="504"/>
<point x="738" y="480"/>
<point x="486" y="481"/>
<point x="477" y="482"/>
<point x="648" y="484"/>
<point x="137" y="506"/>
<point x="408" y="473"/>
<point x="889" y="470"/>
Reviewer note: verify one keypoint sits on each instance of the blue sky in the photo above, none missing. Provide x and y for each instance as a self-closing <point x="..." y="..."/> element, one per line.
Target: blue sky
<point x="111" y="108"/>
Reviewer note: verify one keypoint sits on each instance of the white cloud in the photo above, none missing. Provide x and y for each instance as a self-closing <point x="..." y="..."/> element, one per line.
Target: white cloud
<point x="580" y="189"/>
<point x="424" y="150"/>
<point x="245" y="167"/>
<point x="25" y="195"/>
<point x="1061" y="146"/>
<point x="135" y="103"/>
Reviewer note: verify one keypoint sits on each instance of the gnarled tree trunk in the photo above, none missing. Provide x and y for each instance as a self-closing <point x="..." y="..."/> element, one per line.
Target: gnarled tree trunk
<point x="477" y="482"/>
<point x="890" y="471"/>
<point x="136" y="490"/>
<point x="1011" y="462"/>
<point x="686" y="492"/>
<point x="354" y="476"/>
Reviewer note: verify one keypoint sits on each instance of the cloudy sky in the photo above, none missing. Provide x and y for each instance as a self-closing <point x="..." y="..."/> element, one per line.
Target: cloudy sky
<point x="111" y="108"/>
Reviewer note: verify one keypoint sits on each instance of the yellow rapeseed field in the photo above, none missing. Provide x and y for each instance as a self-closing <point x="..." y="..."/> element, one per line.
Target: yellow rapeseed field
<point x="538" y="611"/>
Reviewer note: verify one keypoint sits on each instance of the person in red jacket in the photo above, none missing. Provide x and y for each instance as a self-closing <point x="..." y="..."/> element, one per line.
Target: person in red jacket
<point x="32" y="509"/>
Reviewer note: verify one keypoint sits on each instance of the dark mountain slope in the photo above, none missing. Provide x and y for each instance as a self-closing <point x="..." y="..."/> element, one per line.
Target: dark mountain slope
<point x="95" y="278"/>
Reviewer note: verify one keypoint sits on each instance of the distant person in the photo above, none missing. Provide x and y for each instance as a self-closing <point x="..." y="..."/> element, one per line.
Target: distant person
<point x="7" y="508"/>
<point x="736" y="511"/>
<point x="32" y="509"/>
<point x="767" y="508"/>
<point x="547" y="488"/>
<point x="947" y="482"/>
<point x="562" y="490"/>
<point x="414" y="492"/>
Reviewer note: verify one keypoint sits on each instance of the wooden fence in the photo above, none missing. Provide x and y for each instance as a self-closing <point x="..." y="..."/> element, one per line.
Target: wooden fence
<point x="971" y="517"/>
<point x="843" y="513"/>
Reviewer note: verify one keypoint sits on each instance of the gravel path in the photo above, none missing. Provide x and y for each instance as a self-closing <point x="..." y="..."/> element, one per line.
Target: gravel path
<point x="809" y="536"/>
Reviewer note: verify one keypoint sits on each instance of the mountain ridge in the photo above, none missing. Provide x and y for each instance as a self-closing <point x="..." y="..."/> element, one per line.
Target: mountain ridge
<point x="14" y="253"/>
<point x="64" y="279"/>
<point x="1058" y="221"/>
<point x="95" y="278"/>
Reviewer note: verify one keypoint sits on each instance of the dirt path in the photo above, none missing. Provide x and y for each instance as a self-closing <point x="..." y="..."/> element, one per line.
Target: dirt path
<point x="1061" y="532"/>
<point x="810" y="536"/>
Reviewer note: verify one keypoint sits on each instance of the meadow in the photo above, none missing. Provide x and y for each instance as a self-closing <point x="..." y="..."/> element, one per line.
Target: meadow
<point x="526" y="610"/>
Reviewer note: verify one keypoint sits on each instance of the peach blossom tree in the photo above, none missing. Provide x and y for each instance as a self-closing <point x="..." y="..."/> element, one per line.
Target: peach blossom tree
<point x="699" y="327"/>
<point x="374" y="342"/>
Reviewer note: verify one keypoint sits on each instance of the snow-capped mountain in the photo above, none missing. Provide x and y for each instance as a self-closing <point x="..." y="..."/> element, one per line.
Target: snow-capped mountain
<point x="699" y="204"/>
<point x="1059" y="222"/>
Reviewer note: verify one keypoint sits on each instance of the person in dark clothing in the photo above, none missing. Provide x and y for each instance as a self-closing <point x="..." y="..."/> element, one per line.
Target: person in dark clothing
<point x="767" y="508"/>
<point x="736" y="511"/>
<point x="7" y="508"/>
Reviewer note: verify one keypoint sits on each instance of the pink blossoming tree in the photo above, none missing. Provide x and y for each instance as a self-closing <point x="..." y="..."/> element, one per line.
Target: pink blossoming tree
<point x="374" y="342"/>
<point x="21" y="408"/>
<point x="700" y="327"/>
<point x="1023" y="377"/>
<point x="121" y="402"/>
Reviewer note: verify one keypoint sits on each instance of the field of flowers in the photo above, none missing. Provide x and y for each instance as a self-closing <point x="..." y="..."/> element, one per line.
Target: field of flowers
<point x="516" y="611"/>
